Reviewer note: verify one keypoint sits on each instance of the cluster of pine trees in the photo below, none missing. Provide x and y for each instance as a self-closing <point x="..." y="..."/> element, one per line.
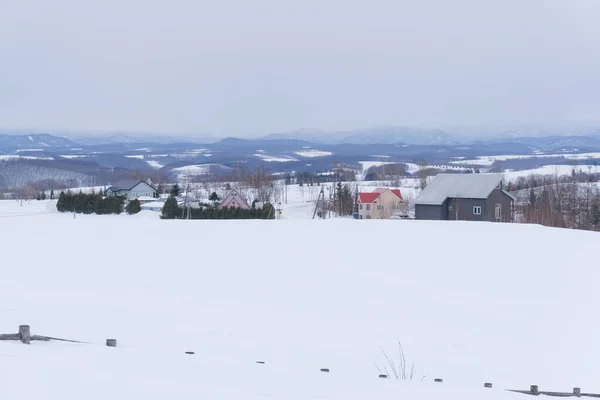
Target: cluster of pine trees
<point x="172" y="211"/>
<point x="89" y="203"/>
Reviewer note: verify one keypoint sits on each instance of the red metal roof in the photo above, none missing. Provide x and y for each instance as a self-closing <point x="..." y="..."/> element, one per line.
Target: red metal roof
<point x="397" y="193"/>
<point x="368" y="197"/>
<point x="371" y="197"/>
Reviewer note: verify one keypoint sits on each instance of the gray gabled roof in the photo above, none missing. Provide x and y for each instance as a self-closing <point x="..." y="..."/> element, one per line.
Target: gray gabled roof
<point x="127" y="184"/>
<point x="459" y="186"/>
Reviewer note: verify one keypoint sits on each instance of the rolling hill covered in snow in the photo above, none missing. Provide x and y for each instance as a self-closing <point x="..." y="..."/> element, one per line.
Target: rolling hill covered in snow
<point x="470" y="302"/>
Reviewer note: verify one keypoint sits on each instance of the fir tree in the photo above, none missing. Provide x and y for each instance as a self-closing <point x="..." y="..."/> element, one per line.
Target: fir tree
<point x="214" y="197"/>
<point x="267" y="212"/>
<point x="133" y="207"/>
<point x="175" y="190"/>
<point x="52" y="194"/>
<point x="62" y="202"/>
<point x="43" y="195"/>
<point x="170" y="209"/>
<point x="99" y="207"/>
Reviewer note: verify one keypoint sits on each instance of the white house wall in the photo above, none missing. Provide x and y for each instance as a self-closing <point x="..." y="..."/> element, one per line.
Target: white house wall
<point x="141" y="189"/>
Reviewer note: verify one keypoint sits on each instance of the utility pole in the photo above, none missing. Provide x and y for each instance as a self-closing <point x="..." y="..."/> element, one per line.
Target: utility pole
<point x="321" y="193"/>
<point x="340" y="195"/>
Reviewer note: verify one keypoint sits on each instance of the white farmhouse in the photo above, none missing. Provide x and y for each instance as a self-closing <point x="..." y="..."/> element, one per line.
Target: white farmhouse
<point x="132" y="189"/>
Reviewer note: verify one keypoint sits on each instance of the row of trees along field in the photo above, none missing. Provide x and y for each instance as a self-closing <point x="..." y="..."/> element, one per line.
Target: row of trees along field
<point x="210" y="211"/>
<point x="90" y="203"/>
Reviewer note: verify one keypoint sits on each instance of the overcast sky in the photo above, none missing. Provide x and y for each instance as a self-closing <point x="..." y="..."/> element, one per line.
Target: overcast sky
<point x="242" y="67"/>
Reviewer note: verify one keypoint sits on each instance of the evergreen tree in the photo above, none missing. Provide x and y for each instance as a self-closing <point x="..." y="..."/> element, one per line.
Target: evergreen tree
<point x="114" y="204"/>
<point x="38" y="197"/>
<point x="175" y="190"/>
<point x="52" y="194"/>
<point x="133" y="207"/>
<point x="99" y="207"/>
<point x="267" y="212"/>
<point x="170" y="209"/>
<point x="371" y="176"/>
<point x="44" y="195"/>
<point x="214" y="197"/>
<point x="62" y="202"/>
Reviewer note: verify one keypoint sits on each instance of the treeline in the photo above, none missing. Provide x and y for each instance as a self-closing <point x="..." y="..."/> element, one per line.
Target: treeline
<point x="537" y="180"/>
<point x="89" y="203"/>
<point x="172" y="211"/>
<point x="557" y="202"/>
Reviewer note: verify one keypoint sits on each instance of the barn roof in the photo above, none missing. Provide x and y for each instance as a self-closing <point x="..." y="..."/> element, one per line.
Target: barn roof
<point x="459" y="186"/>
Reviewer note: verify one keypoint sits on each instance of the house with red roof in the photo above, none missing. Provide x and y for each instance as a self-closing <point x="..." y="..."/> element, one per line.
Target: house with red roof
<point x="382" y="203"/>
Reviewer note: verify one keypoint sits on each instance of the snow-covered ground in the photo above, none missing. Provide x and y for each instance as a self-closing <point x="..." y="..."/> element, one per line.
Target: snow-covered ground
<point x="7" y="157"/>
<point x="311" y="153"/>
<point x="514" y="305"/>
<point x="551" y="170"/>
<point x="154" y="164"/>
<point x="196" y="169"/>
<point x="269" y="158"/>
<point x="489" y="160"/>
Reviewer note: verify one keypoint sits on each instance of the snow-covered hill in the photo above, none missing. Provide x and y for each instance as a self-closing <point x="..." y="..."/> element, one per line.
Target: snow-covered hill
<point x="514" y="305"/>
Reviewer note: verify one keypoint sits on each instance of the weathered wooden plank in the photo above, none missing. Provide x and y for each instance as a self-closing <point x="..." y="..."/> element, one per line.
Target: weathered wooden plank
<point x="46" y="338"/>
<point x="10" y="336"/>
<point x="41" y="338"/>
<point x="574" y="393"/>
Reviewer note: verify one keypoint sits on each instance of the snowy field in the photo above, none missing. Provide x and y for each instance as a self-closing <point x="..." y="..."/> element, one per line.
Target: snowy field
<point x="490" y="160"/>
<point x="514" y="305"/>
<point x="551" y="170"/>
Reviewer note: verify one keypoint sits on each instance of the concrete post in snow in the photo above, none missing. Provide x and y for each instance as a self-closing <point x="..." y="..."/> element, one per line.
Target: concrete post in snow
<point x="534" y="390"/>
<point x="25" y="334"/>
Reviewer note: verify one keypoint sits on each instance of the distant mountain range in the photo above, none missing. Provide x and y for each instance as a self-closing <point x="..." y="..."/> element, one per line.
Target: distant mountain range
<point x="303" y="150"/>
<point x="375" y="135"/>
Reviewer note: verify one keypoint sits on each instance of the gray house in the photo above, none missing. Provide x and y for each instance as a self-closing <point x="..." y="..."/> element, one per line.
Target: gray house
<point x="132" y="189"/>
<point x="469" y="197"/>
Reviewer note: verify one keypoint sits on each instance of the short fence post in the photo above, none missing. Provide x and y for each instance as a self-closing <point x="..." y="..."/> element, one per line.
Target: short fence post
<point x="487" y="385"/>
<point x="534" y="390"/>
<point x="25" y="334"/>
<point x="577" y="392"/>
<point x="111" y="342"/>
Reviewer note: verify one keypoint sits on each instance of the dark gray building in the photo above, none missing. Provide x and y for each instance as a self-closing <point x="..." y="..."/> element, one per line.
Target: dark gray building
<point x="467" y="197"/>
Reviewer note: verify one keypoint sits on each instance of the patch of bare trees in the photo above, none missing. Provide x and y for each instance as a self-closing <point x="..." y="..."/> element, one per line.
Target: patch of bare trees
<point x="559" y="201"/>
<point x="25" y="180"/>
<point x="387" y="172"/>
